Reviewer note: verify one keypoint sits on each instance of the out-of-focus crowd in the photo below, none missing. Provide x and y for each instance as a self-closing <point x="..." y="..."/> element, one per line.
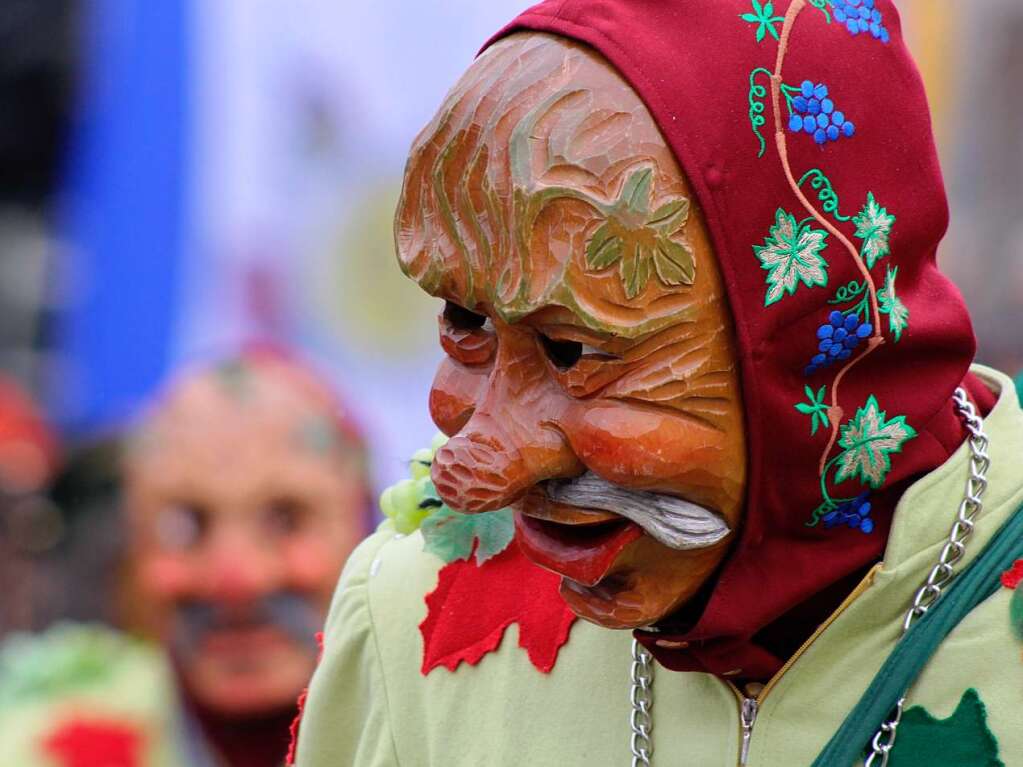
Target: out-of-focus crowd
<point x="218" y="522"/>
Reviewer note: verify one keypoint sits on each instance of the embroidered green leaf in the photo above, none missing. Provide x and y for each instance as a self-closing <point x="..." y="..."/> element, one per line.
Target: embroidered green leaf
<point x="765" y="19"/>
<point x="451" y="535"/>
<point x="898" y="314"/>
<point x="641" y="242"/>
<point x="874" y="227"/>
<point x="815" y="408"/>
<point x="869" y="439"/>
<point x="791" y="255"/>
<point x="961" y="739"/>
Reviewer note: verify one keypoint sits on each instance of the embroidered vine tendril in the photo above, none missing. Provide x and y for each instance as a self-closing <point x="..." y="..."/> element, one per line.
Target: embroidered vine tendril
<point x="822" y="6"/>
<point x="825" y="192"/>
<point x="829" y="503"/>
<point x="872" y="309"/>
<point x="757" y="92"/>
<point x="848" y="292"/>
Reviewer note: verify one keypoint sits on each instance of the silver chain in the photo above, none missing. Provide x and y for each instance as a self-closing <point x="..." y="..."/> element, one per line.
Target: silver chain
<point x="642" y="699"/>
<point x="641" y="696"/>
<point x="951" y="553"/>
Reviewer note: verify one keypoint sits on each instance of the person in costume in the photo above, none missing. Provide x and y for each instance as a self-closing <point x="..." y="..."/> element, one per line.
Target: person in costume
<point x="29" y="454"/>
<point x="706" y="390"/>
<point x="244" y="490"/>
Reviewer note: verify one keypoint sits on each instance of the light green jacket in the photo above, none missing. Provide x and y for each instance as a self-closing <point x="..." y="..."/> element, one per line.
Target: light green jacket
<point x="369" y="705"/>
<point x="86" y="683"/>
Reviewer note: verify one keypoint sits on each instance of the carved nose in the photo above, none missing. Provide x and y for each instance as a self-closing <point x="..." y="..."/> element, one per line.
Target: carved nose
<point x="479" y="472"/>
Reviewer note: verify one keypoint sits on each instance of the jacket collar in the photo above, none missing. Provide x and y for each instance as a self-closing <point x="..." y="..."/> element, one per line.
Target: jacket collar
<point x="926" y="511"/>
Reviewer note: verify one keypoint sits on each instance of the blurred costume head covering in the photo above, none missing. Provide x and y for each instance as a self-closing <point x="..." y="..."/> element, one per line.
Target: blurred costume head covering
<point x="807" y="140"/>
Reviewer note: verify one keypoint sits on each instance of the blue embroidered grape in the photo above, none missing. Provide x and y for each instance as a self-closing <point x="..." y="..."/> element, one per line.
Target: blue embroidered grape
<point x="860" y="16"/>
<point x="854" y="514"/>
<point x="837" y="340"/>
<point x="814" y="113"/>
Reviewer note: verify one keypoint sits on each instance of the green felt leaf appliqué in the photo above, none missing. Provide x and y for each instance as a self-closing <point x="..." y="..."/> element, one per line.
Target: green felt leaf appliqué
<point x="451" y="535"/>
<point x="1016" y="612"/>
<point x="962" y="739"/>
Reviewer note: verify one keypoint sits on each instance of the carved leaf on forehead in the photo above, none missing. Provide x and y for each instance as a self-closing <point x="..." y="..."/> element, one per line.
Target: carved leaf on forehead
<point x="640" y="241"/>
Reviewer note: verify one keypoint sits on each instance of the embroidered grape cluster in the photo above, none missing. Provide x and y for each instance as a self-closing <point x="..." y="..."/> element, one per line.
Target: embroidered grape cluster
<point x="860" y="16"/>
<point x="838" y="338"/>
<point x="854" y="514"/>
<point x="814" y="113"/>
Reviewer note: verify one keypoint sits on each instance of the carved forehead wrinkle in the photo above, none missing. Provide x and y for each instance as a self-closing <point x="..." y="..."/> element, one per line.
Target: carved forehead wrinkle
<point x="485" y="187"/>
<point x="443" y="230"/>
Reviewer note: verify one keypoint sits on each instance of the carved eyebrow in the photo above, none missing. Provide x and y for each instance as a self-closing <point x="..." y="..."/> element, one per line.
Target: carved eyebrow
<point x="593" y="341"/>
<point x="560" y="318"/>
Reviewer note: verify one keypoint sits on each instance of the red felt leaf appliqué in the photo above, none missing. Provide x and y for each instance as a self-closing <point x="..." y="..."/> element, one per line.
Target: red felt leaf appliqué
<point x="1012" y="577"/>
<point x="472" y="606"/>
<point x="84" y="743"/>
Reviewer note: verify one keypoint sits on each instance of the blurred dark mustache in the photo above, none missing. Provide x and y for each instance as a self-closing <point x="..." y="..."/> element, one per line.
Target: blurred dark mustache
<point x="291" y="613"/>
<point x="676" y="523"/>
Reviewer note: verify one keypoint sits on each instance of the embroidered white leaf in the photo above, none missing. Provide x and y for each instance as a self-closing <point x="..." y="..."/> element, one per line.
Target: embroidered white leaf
<point x="791" y="255"/>
<point x="869" y="439"/>
<point x="898" y="314"/>
<point x="874" y="227"/>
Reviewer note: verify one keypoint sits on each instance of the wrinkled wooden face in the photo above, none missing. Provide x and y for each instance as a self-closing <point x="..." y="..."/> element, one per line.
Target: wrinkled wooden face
<point x="244" y="500"/>
<point x="586" y="329"/>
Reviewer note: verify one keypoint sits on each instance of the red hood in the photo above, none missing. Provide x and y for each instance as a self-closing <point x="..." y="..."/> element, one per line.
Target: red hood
<point x="873" y="211"/>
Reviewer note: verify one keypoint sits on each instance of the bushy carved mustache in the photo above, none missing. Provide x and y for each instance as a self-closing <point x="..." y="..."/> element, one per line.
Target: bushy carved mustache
<point x="676" y="523"/>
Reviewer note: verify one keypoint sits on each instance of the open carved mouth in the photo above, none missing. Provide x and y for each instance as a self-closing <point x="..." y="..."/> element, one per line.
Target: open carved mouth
<point x="578" y="527"/>
<point x="580" y="552"/>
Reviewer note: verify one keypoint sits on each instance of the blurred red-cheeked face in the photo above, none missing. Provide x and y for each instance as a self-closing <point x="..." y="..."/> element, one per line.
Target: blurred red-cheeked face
<point x="245" y="499"/>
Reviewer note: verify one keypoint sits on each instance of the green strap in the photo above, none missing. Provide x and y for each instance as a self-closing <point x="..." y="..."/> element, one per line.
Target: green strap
<point x="976" y="583"/>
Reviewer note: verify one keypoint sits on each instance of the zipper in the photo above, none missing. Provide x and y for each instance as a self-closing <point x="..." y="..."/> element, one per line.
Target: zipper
<point x="747" y="717"/>
<point x="749" y="703"/>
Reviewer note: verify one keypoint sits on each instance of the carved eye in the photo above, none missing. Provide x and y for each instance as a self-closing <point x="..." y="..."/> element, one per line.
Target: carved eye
<point x="563" y="354"/>
<point x="461" y="318"/>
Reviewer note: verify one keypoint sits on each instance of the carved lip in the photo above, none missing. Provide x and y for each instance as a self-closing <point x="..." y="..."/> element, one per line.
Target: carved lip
<point x="578" y="527"/>
<point x="583" y="553"/>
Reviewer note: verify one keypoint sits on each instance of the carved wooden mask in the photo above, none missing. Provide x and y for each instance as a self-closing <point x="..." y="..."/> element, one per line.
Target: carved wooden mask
<point x="586" y="329"/>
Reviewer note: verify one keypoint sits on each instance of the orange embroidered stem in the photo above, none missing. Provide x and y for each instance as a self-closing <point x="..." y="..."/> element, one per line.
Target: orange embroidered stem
<point x="835" y="411"/>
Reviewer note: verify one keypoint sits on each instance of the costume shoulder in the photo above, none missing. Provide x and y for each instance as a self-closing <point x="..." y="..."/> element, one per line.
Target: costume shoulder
<point x="427" y="663"/>
<point x="379" y="600"/>
<point x="85" y="689"/>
